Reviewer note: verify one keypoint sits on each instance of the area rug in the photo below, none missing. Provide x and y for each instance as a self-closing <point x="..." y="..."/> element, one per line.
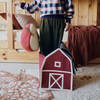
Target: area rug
<point x="86" y="87"/>
<point x="21" y="87"/>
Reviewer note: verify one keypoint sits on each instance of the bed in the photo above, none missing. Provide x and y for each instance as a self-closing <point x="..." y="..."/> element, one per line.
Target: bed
<point x="84" y="43"/>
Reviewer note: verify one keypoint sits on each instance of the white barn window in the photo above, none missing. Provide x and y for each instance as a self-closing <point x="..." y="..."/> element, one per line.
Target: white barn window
<point x="57" y="64"/>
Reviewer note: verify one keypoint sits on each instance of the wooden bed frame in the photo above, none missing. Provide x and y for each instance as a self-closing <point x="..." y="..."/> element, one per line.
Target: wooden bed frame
<point x="9" y="48"/>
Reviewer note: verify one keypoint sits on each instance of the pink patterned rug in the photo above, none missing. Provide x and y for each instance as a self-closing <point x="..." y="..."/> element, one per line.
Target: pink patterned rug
<point x="21" y="87"/>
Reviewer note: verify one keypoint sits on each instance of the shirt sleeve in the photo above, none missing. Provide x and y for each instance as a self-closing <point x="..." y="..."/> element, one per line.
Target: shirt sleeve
<point x="69" y="10"/>
<point x="31" y="7"/>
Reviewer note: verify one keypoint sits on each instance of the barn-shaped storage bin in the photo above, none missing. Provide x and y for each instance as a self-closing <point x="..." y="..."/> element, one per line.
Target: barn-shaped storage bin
<point x="57" y="71"/>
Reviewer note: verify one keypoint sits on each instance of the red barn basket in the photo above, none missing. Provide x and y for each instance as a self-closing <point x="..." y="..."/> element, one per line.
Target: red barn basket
<point x="57" y="71"/>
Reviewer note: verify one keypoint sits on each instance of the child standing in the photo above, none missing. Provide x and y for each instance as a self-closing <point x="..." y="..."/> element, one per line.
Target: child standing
<point x="55" y="16"/>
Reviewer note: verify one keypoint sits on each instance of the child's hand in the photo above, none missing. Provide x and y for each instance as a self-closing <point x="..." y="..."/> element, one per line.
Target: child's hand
<point x="67" y="27"/>
<point x="17" y="3"/>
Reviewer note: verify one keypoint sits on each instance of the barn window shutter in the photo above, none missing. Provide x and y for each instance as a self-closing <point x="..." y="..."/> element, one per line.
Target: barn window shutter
<point x="57" y="64"/>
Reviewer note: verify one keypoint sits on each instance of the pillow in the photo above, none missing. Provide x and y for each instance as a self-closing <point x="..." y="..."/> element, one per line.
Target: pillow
<point x="30" y="38"/>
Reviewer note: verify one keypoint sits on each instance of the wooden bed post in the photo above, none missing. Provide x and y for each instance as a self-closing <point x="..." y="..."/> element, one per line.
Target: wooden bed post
<point x="95" y="7"/>
<point x="10" y="25"/>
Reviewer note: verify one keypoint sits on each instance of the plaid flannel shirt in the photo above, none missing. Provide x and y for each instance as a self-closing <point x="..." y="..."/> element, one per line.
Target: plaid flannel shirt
<point x="51" y="7"/>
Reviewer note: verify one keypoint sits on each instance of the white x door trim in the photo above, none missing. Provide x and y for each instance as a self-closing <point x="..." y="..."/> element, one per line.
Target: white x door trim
<point x="51" y="76"/>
